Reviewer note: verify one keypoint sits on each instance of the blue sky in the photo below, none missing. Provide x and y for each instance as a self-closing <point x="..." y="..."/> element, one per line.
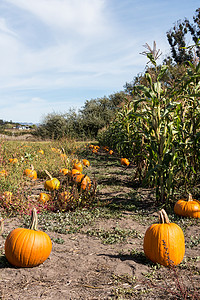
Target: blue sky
<point x="56" y="54"/>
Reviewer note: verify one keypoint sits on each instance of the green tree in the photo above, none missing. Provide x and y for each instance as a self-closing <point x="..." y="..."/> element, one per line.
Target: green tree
<point x="177" y="38"/>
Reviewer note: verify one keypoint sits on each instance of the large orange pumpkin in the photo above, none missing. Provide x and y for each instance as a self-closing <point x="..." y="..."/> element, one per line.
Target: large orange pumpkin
<point x="28" y="247"/>
<point x="190" y="208"/>
<point x="164" y="242"/>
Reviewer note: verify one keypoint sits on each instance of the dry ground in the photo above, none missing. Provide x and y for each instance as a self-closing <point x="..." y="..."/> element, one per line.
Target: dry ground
<point x="89" y="264"/>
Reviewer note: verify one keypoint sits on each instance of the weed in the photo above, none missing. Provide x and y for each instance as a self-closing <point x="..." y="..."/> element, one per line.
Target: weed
<point x="115" y="235"/>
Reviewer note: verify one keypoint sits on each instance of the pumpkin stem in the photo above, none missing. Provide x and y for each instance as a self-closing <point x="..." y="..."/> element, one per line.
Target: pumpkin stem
<point x="34" y="220"/>
<point x="163" y="217"/>
<point x="32" y="167"/>
<point x="1" y="226"/>
<point x="48" y="174"/>
<point x="190" y="197"/>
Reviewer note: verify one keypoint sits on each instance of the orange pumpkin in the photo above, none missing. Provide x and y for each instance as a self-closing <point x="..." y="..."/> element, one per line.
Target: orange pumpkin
<point x="3" y="173"/>
<point x="83" y="180"/>
<point x="78" y="166"/>
<point x="13" y="160"/>
<point x="74" y="172"/>
<point x="164" y="242"/>
<point x="86" y="162"/>
<point x="125" y="162"/>
<point x="31" y="173"/>
<point x="43" y="197"/>
<point x="64" y="171"/>
<point x="27" y="247"/>
<point x="190" y="208"/>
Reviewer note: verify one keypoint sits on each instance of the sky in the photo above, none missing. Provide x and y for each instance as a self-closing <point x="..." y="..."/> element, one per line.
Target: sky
<point x="56" y="54"/>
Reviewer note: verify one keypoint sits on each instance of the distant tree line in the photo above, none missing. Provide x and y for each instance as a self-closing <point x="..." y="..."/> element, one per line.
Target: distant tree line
<point x="84" y="123"/>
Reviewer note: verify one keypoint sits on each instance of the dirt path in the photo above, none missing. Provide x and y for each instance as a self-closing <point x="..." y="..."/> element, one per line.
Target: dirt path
<point x="82" y="266"/>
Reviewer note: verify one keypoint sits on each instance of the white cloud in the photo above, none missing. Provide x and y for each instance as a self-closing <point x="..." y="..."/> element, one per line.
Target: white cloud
<point x="81" y="16"/>
<point x="69" y="47"/>
<point x="4" y="27"/>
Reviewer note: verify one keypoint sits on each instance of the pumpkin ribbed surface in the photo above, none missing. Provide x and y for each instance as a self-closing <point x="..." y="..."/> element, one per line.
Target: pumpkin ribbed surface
<point x="164" y="244"/>
<point x="27" y="247"/>
<point x="190" y="208"/>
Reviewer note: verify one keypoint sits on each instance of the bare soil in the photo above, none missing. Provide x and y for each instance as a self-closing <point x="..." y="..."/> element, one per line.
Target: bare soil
<point x="83" y="267"/>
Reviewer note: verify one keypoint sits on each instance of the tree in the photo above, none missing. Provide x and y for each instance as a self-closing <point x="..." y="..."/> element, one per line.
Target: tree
<point x="177" y="38"/>
<point x="53" y="126"/>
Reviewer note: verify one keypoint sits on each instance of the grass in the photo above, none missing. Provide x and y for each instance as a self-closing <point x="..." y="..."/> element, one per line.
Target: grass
<point x="115" y="235"/>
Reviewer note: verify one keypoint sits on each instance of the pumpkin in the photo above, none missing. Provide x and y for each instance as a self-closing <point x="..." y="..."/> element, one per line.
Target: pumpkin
<point x="78" y="166"/>
<point x="86" y="162"/>
<point x="164" y="242"/>
<point x="64" y="171"/>
<point x="111" y="152"/>
<point x="43" y="197"/>
<point x="74" y="172"/>
<point x="52" y="183"/>
<point x="13" y="160"/>
<point x="41" y="151"/>
<point x="3" y="173"/>
<point x="190" y="208"/>
<point x="28" y="247"/>
<point x="83" y="180"/>
<point x="31" y="173"/>
<point x="125" y="162"/>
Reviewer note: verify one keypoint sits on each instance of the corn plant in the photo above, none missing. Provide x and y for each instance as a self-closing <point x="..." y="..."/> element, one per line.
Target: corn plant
<point x="155" y="110"/>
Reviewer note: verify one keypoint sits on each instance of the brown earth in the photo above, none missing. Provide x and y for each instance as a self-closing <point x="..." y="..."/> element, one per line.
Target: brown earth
<point x="83" y="267"/>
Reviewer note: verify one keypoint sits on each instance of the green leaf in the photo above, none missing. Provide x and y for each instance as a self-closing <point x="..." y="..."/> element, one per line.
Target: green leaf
<point x="162" y="72"/>
<point x="151" y="58"/>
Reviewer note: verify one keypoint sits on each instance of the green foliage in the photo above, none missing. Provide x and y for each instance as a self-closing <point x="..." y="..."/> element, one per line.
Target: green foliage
<point x="177" y="38"/>
<point x="53" y="127"/>
<point x="159" y="130"/>
<point x="94" y="115"/>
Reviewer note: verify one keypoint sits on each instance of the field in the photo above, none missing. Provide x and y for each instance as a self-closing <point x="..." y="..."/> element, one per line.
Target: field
<point x="98" y="241"/>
